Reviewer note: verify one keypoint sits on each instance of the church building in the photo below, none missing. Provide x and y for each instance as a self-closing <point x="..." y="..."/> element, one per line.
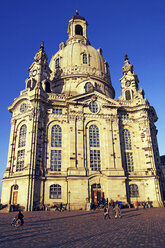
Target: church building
<point x="71" y="141"/>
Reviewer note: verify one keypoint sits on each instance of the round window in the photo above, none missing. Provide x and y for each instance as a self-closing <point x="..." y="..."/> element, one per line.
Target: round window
<point x="93" y="106"/>
<point x="23" y="107"/>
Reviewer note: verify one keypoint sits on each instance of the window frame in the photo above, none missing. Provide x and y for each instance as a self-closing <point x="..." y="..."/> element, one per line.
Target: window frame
<point x="22" y="136"/>
<point x="94" y="148"/>
<point x="55" y="190"/>
<point x="20" y="160"/>
<point x="133" y="190"/>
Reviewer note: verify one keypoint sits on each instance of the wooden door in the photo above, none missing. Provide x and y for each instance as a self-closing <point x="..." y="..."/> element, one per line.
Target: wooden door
<point x="15" y="195"/>
<point x="95" y="197"/>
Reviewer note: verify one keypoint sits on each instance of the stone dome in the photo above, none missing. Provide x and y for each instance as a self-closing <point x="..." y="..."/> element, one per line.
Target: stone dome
<point x="77" y="64"/>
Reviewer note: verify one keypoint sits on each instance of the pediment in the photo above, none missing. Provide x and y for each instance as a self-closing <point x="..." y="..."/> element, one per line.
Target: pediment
<point x="17" y="102"/>
<point x="92" y="96"/>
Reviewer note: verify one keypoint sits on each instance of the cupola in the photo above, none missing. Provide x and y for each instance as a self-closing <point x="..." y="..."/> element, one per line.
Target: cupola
<point x="77" y="28"/>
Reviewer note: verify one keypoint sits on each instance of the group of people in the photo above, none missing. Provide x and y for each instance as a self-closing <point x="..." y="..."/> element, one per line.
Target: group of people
<point x="112" y="209"/>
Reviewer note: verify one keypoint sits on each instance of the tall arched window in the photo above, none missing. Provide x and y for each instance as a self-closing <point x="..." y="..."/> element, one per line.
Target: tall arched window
<point x="56" y="136"/>
<point x="94" y="144"/>
<point x="84" y="58"/>
<point x="55" y="154"/>
<point x="22" y="136"/>
<point x="94" y="136"/>
<point x="133" y="190"/>
<point x="55" y="191"/>
<point x="126" y="139"/>
<point x="78" y="30"/>
<point x="128" y="155"/>
<point x="127" y="95"/>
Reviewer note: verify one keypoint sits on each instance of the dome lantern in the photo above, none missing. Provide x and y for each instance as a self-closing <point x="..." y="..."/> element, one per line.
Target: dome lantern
<point x="77" y="28"/>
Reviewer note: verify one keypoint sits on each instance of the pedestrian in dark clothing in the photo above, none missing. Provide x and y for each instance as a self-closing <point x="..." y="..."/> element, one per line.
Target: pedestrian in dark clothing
<point x="20" y="216"/>
<point x="106" y="213"/>
<point x="112" y="203"/>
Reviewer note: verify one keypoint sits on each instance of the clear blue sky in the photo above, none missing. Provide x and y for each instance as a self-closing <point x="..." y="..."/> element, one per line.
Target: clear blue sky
<point x="118" y="27"/>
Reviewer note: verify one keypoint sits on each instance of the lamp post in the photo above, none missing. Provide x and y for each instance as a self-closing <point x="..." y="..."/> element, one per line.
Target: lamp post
<point x="69" y="199"/>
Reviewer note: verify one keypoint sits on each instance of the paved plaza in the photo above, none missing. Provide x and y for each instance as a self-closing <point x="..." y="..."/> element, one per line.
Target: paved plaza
<point x="142" y="228"/>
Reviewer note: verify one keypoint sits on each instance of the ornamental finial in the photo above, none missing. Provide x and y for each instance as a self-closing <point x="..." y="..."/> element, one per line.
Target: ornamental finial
<point x="77" y="12"/>
<point x="126" y="56"/>
<point x="42" y="45"/>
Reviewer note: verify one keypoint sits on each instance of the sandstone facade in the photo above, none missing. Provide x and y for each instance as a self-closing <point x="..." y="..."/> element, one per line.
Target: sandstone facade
<point x="71" y="141"/>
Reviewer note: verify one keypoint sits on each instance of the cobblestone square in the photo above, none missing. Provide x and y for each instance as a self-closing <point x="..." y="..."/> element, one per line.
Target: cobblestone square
<point x="136" y="228"/>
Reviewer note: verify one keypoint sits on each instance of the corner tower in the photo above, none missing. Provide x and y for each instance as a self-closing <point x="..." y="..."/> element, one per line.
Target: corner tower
<point x="130" y="82"/>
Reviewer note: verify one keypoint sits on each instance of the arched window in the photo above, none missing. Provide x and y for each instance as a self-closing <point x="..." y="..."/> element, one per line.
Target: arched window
<point x="133" y="190"/>
<point x="55" y="155"/>
<point x="16" y="187"/>
<point x="94" y="144"/>
<point x="94" y="136"/>
<point x="84" y="58"/>
<point x="56" y="136"/>
<point x="127" y="95"/>
<point x="128" y="155"/>
<point x="22" y="136"/>
<point x="57" y="63"/>
<point x="78" y="30"/>
<point x="55" y="191"/>
<point x="126" y="139"/>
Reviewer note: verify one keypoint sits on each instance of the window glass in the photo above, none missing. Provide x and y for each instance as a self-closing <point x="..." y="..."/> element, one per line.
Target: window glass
<point x="133" y="190"/>
<point x="57" y="63"/>
<point x="84" y="59"/>
<point x="23" y="107"/>
<point x="57" y="111"/>
<point x="56" y="136"/>
<point x="95" y="160"/>
<point x="93" y="107"/>
<point x="126" y="139"/>
<point x="55" y="191"/>
<point x="20" y="160"/>
<point x="127" y="95"/>
<point x="129" y="161"/>
<point x="94" y="136"/>
<point x="22" y="136"/>
<point x="55" y="160"/>
<point x="16" y="187"/>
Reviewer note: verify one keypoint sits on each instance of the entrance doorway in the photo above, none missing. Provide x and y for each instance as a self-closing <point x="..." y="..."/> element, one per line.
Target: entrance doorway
<point x="97" y="195"/>
<point x="14" y="197"/>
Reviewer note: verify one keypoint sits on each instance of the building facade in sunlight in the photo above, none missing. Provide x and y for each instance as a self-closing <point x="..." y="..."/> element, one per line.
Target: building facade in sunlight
<point x="71" y="141"/>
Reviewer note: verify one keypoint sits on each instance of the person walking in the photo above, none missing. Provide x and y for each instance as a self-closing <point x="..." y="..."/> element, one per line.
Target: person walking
<point x="136" y="205"/>
<point x="117" y="211"/>
<point x="106" y="212"/>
